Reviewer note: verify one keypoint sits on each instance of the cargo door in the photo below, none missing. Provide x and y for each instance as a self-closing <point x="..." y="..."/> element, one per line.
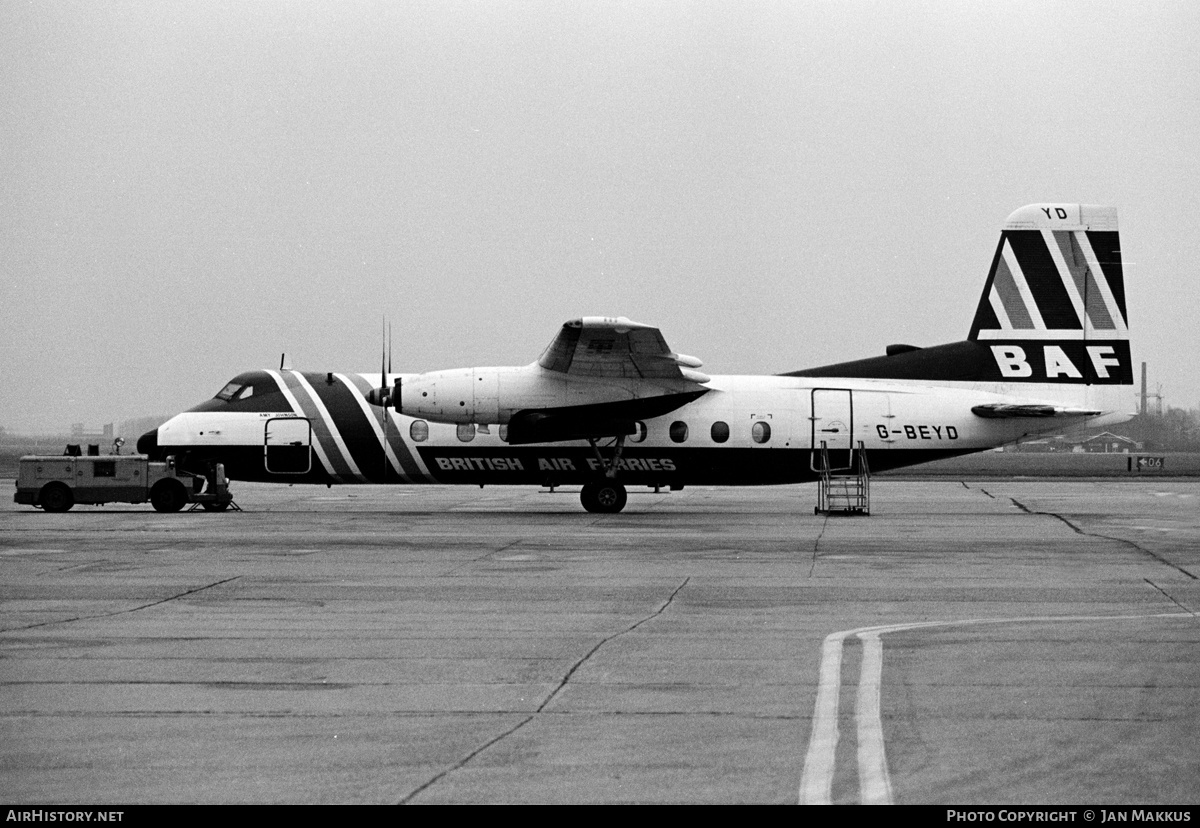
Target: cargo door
<point x="833" y="425"/>
<point x="287" y="445"/>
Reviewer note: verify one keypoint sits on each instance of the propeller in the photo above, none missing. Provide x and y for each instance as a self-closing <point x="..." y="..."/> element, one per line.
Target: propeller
<point x="385" y="395"/>
<point x="385" y="367"/>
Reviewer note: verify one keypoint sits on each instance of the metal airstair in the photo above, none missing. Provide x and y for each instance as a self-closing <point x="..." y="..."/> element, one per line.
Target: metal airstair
<point x="843" y="491"/>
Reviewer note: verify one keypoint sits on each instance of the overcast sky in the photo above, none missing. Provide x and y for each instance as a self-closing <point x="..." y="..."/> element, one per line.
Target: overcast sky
<point x="188" y="189"/>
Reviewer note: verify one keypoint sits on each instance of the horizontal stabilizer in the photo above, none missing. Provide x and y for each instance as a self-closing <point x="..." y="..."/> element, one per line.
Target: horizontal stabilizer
<point x="996" y="411"/>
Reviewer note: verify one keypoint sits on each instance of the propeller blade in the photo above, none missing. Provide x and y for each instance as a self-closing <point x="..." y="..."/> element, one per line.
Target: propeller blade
<point x="383" y="415"/>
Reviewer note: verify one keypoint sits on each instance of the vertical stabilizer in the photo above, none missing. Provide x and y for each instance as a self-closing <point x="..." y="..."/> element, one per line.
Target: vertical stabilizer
<point x="1053" y="308"/>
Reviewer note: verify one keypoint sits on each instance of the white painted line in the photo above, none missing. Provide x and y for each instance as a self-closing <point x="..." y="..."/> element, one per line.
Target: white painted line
<point x="389" y="454"/>
<point x="873" y="779"/>
<point x="315" y="443"/>
<point x="1018" y="277"/>
<point x="816" y="783"/>
<point x="330" y="425"/>
<point x="1006" y="325"/>
<point x="1110" y="301"/>
<point x="875" y="785"/>
<point x="1029" y="333"/>
<point x="1068" y="282"/>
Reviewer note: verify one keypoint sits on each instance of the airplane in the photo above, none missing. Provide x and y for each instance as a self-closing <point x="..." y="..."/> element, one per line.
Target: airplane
<point x="609" y="405"/>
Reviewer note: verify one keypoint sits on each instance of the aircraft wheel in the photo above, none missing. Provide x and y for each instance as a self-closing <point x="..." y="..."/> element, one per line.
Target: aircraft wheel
<point x="604" y="497"/>
<point x="215" y="507"/>
<point x="55" y="497"/>
<point x="168" y="496"/>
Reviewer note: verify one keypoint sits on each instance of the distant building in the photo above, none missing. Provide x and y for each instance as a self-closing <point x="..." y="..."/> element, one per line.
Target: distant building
<point x="1107" y="443"/>
<point x="79" y="434"/>
<point x="96" y="442"/>
<point x="132" y="429"/>
<point x="1040" y="446"/>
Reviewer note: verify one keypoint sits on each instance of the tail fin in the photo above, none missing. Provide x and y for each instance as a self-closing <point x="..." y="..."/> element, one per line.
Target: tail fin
<point x="1053" y="308"/>
<point x="1051" y="320"/>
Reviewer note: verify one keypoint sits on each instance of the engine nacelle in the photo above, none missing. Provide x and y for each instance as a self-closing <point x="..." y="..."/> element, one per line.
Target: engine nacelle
<point x="459" y="395"/>
<point x="489" y="396"/>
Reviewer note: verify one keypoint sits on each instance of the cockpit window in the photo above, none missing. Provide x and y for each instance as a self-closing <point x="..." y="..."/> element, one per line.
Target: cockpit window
<point x="229" y="391"/>
<point x="235" y="391"/>
<point x="249" y="391"/>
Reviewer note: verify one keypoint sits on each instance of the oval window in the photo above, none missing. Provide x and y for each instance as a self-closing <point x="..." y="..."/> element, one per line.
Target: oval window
<point x="720" y="432"/>
<point x="466" y="432"/>
<point x="760" y="432"/>
<point x="419" y="431"/>
<point x="678" y="431"/>
<point x="639" y="432"/>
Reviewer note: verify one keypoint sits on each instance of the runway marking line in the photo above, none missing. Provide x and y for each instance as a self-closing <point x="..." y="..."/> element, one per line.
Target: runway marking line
<point x="875" y="786"/>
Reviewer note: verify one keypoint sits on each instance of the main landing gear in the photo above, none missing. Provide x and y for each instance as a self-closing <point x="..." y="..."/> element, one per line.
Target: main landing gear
<point x="605" y="496"/>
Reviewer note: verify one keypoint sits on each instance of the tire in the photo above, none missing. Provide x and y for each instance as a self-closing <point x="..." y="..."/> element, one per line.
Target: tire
<point x="168" y="496"/>
<point x="605" y="497"/>
<point x="55" y="497"/>
<point x="215" y="507"/>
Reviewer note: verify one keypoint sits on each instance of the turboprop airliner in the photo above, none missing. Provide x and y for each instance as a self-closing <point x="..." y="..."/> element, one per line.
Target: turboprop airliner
<point x="609" y="405"/>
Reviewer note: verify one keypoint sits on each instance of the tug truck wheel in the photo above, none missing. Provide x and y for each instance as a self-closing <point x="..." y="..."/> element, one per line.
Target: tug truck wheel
<point x="604" y="497"/>
<point x="55" y="497"/>
<point x="168" y="496"/>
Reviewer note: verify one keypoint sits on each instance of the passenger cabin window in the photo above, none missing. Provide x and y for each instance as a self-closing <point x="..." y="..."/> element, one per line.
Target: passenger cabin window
<point x="639" y="432"/>
<point x="679" y="431"/>
<point x="419" y="431"/>
<point x="466" y="432"/>
<point x="719" y="432"/>
<point x="760" y="432"/>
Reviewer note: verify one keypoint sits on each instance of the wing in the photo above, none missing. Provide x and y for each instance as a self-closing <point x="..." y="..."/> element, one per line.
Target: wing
<point x="646" y="380"/>
<point x="605" y="346"/>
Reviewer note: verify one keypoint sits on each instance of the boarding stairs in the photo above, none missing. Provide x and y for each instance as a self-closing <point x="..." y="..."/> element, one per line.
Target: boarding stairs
<point x="843" y="491"/>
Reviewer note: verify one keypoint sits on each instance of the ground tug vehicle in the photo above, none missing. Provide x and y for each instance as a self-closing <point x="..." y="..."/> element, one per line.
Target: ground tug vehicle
<point x="57" y="482"/>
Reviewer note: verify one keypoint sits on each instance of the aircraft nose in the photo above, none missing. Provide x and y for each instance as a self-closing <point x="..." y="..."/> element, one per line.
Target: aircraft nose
<point x="148" y="443"/>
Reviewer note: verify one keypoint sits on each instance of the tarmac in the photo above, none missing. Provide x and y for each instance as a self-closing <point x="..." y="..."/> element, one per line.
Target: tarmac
<point x="970" y="642"/>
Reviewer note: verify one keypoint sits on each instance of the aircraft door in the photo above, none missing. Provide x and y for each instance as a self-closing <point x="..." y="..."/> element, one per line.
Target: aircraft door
<point x="833" y="425"/>
<point x="287" y="445"/>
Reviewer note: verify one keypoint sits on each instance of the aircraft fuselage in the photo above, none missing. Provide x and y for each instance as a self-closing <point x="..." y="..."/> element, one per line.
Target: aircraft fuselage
<point x="311" y="427"/>
<point x="608" y="404"/>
